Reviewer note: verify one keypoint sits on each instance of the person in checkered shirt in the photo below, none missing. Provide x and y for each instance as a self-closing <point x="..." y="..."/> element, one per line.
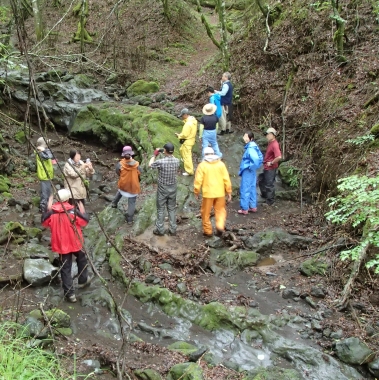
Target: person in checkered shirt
<point x="167" y="186"/>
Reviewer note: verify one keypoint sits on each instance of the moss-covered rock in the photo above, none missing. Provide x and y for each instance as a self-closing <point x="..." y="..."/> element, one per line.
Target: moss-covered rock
<point x="116" y="125"/>
<point x="289" y="174"/>
<point x="57" y="317"/>
<point x="83" y="81"/>
<point x="66" y="331"/>
<point x="147" y="374"/>
<point x="4" y="184"/>
<point x="375" y="129"/>
<point x="225" y="261"/>
<point x="185" y="371"/>
<point x="183" y="347"/>
<point x="142" y="87"/>
<point x="313" y="266"/>
<point x="141" y="100"/>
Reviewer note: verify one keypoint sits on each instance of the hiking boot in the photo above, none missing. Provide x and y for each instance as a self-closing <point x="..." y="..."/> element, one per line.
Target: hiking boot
<point x="228" y="131"/>
<point x="253" y="209"/>
<point x="71" y="298"/>
<point x="207" y="235"/>
<point x="221" y="133"/>
<point x="87" y="283"/>
<point x="114" y="205"/>
<point x="156" y="232"/>
<point x="170" y="233"/>
<point x="243" y="212"/>
<point x="219" y="233"/>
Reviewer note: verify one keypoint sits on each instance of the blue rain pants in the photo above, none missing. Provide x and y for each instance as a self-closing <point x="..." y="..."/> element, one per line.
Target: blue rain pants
<point x="248" y="191"/>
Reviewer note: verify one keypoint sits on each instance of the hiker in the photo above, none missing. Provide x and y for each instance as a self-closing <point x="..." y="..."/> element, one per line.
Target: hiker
<point x="66" y="222"/>
<point x="45" y="171"/>
<point x="207" y="132"/>
<point x="187" y="139"/>
<point x="215" y="98"/>
<point x="213" y="179"/>
<point x="75" y="176"/>
<point x="273" y="155"/>
<point x="226" y="94"/>
<point x="129" y="173"/>
<point x="252" y="160"/>
<point x="166" y="192"/>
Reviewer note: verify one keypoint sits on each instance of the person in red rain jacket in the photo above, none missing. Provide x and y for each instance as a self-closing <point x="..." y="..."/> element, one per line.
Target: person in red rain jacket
<point x="65" y="223"/>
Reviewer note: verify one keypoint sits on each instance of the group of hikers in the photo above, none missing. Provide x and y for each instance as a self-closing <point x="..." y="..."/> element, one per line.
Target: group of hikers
<point x="67" y="216"/>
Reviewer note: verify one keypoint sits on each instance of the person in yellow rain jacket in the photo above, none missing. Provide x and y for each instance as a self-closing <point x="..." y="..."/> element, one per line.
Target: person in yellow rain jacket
<point x="213" y="178"/>
<point x="187" y="138"/>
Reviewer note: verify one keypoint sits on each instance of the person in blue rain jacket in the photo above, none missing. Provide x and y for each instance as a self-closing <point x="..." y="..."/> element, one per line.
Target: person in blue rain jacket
<point x="252" y="160"/>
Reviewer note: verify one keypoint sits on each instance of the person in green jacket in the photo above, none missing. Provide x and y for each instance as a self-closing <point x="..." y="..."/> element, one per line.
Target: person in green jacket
<point x="45" y="171"/>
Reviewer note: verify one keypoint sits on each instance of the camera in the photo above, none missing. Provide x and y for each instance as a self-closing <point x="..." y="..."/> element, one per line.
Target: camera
<point x="161" y="150"/>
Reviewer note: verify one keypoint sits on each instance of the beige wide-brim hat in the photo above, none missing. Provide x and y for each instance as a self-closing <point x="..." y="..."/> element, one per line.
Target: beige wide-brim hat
<point x="209" y="109"/>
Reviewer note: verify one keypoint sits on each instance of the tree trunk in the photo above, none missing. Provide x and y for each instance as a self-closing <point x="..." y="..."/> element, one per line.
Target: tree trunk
<point x="340" y="32"/>
<point x="207" y="27"/>
<point x="38" y="19"/>
<point x="166" y="9"/>
<point x="220" y="6"/>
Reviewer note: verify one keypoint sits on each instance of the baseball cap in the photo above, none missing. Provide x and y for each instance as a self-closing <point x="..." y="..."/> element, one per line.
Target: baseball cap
<point x="127" y="150"/>
<point x="271" y="130"/>
<point x="169" y="147"/>
<point x="208" y="150"/>
<point x="64" y="195"/>
<point x="184" y="111"/>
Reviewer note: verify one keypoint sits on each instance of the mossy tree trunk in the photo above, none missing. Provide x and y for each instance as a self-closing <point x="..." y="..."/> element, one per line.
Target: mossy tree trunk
<point x="339" y="36"/>
<point x="82" y="35"/>
<point x="38" y="21"/>
<point x="166" y="9"/>
<point x="208" y="27"/>
<point x="220" y="7"/>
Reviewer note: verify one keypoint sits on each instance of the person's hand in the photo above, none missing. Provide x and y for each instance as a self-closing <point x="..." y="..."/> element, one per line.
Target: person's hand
<point x="81" y="207"/>
<point x="50" y="203"/>
<point x="269" y="163"/>
<point x="229" y="198"/>
<point x="176" y="134"/>
<point x="197" y="196"/>
<point x="156" y="152"/>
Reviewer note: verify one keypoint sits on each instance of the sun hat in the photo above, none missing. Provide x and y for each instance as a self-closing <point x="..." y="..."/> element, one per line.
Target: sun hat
<point x="169" y="147"/>
<point x="208" y="150"/>
<point x="271" y="130"/>
<point x="127" y="151"/>
<point x="209" y="109"/>
<point x="42" y="142"/>
<point x="64" y="195"/>
<point x="184" y="111"/>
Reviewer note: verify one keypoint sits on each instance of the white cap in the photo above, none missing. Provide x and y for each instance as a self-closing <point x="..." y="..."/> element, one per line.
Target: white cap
<point x="208" y="150"/>
<point x="64" y="195"/>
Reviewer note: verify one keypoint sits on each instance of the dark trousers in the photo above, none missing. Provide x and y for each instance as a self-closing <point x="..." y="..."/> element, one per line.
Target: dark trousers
<point x="66" y="266"/>
<point x="166" y="198"/>
<point x="45" y="195"/>
<point x="267" y="185"/>
<point x="131" y="209"/>
<point x="117" y="198"/>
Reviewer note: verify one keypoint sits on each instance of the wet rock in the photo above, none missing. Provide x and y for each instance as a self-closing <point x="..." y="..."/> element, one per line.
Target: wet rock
<point x="35" y="328"/>
<point x="141" y="100"/>
<point x="327" y="332"/>
<point x="248" y="336"/>
<point x="265" y="241"/>
<point x="316" y="325"/>
<point x="147" y="374"/>
<point x="273" y="373"/>
<point x="195" y="356"/>
<point x="254" y="304"/>
<point x="145" y="265"/>
<point x="185" y="371"/>
<point x="310" y="302"/>
<point x="34" y="251"/>
<point x="12" y="202"/>
<point x="92" y="365"/>
<point x="134" y="338"/>
<point x="317" y="292"/>
<point x="374" y="367"/>
<point x="225" y="261"/>
<point x="215" y="242"/>
<point x="182" y="287"/>
<point x="38" y="271"/>
<point x="166" y="266"/>
<point x="311" y="267"/>
<point x="353" y="351"/>
<point x="337" y="334"/>
<point x="57" y="317"/>
<point x="152" y="279"/>
<point x="66" y="331"/>
<point x="105" y="188"/>
<point x="183" y="347"/>
<point x="290" y="293"/>
<point x="359" y="306"/>
<point x="112" y="79"/>
<point x="99" y="296"/>
<point x="370" y="331"/>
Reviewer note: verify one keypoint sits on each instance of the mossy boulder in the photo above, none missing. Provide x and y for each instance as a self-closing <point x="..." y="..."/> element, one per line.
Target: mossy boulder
<point x="375" y="129"/>
<point x="185" y="371"/>
<point x="83" y="81"/>
<point x="112" y="79"/>
<point x="116" y="125"/>
<point x="57" y="317"/>
<point x="313" y="266"/>
<point x="142" y="87"/>
<point x="183" y="347"/>
<point x="147" y="374"/>
<point x="4" y="184"/>
<point x="141" y="100"/>
<point x="223" y="261"/>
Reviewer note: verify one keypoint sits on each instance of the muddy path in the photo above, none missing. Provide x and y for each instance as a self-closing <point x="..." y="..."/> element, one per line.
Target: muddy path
<point x="272" y="290"/>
